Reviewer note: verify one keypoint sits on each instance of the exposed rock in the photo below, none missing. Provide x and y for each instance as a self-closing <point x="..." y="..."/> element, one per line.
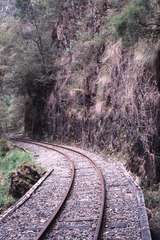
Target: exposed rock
<point x="23" y="179"/>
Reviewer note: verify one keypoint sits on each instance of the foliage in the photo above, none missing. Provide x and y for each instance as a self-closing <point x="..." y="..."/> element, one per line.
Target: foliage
<point x="152" y="201"/>
<point x="126" y="108"/>
<point x="10" y="45"/>
<point x="8" y="164"/>
<point x="11" y="112"/>
<point x="4" y="147"/>
<point x="5" y="198"/>
<point x="12" y="160"/>
<point x="3" y="116"/>
<point x="129" y="24"/>
<point x="22" y="4"/>
<point x="152" y="197"/>
<point x="35" y="69"/>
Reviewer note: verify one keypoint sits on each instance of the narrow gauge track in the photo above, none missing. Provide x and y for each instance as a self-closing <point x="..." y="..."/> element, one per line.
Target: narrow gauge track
<point x="57" y="228"/>
<point x="7" y="221"/>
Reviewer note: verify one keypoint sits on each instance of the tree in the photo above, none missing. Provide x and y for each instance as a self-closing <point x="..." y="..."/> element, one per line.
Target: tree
<point x="35" y="68"/>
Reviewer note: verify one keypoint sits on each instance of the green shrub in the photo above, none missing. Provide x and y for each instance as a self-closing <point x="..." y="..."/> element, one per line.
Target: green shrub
<point x="152" y="200"/>
<point x="128" y="24"/>
<point x="14" y="159"/>
<point x="5" y="198"/>
<point x="9" y="163"/>
<point x="4" y="147"/>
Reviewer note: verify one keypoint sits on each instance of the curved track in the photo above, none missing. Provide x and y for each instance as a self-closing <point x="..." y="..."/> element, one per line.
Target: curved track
<point x="101" y="209"/>
<point x="18" y="211"/>
<point x="50" y="214"/>
<point x="54" y="214"/>
<point x="88" y="180"/>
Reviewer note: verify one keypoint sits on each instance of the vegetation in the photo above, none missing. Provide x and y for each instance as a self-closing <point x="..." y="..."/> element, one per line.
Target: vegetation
<point x="64" y="77"/>
<point x="10" y="160"/>
<point x="129" y="23"/>
<point x="152" y="198"/>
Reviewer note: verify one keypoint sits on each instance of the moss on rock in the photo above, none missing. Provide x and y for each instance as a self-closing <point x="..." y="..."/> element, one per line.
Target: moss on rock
<point x="23" y="179"/>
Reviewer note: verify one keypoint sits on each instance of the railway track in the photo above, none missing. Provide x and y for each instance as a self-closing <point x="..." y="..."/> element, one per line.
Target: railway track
<point x="77" y="215"/>
<point x="33" y="214"/>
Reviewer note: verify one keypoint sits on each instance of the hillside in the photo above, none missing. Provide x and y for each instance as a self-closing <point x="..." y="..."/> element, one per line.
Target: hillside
<point x="85" y="72"/>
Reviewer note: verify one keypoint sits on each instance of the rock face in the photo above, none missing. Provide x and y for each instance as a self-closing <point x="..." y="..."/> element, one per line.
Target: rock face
<point x="94" y="90"/>
<point x="23" y="179"/>
<point x="101" y="93"/>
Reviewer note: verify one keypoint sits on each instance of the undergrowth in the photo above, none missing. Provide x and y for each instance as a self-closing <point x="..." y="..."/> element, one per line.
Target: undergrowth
<point x="9" y="163"/>
<point x="128" y="24"/>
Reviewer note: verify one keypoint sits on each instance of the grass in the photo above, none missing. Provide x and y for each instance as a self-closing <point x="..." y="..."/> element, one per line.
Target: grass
<point x="9" y="163"/>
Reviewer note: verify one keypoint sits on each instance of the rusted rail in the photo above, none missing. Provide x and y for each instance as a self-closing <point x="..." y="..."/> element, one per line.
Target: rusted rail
<point x="101" y="210"/>
<point x="100" y="176"/>
<point x="50" y="172"/>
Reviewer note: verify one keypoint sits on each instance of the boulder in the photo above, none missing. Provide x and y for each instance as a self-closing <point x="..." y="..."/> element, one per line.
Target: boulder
<point x="23" y="179"/>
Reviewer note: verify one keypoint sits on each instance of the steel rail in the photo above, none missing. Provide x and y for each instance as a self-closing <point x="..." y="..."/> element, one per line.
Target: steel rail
<point x="99" y="173"/>
<point x="98" y="228"/>
<point x="60" y="205"/>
